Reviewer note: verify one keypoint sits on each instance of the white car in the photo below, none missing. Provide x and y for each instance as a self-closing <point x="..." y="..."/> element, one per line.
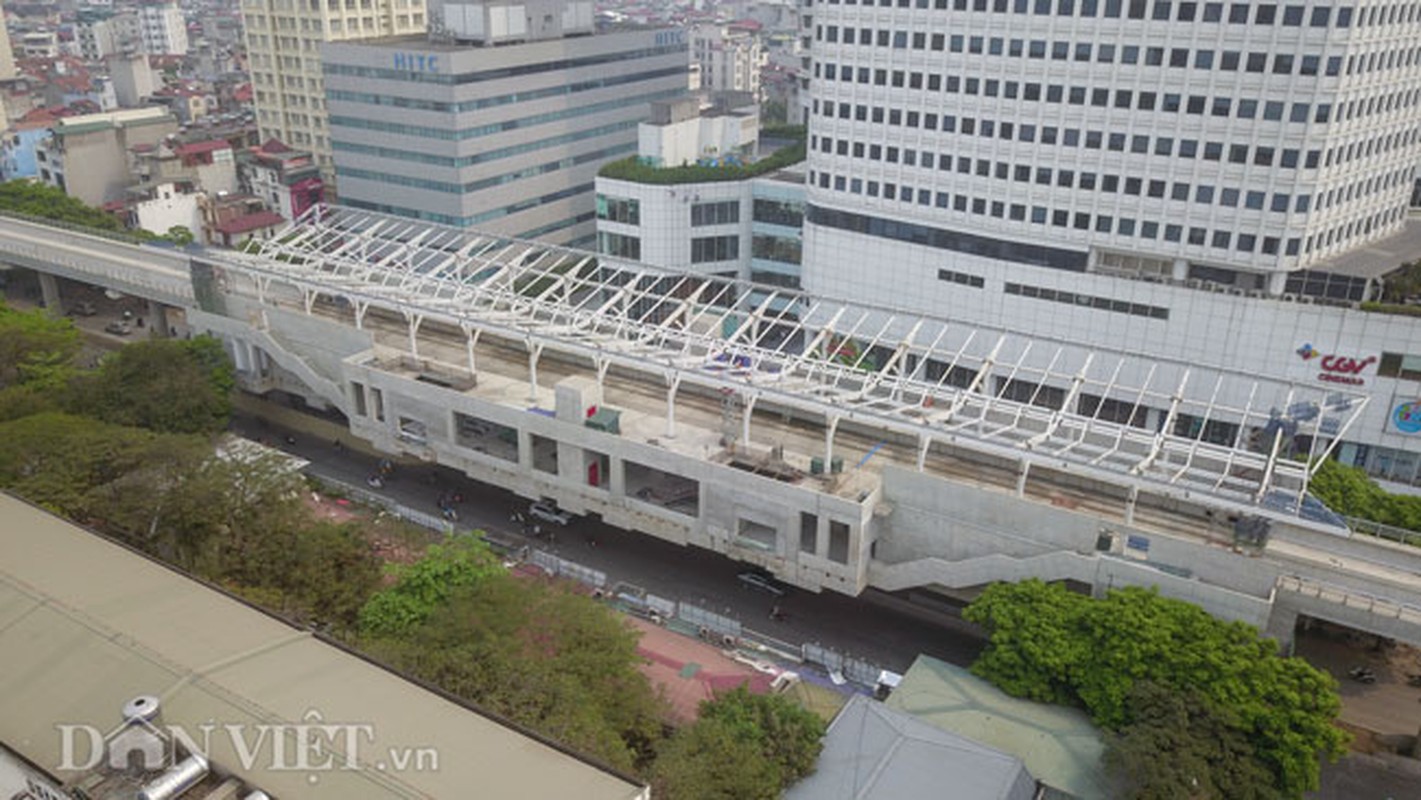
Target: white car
<point x="547" y="512"/>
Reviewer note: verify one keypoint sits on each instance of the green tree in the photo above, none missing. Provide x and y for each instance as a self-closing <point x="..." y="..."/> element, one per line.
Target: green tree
<point x="36" y="199"/>
<point x="709" y="760"/>
<point x="60" y="461"/>
<point x="743" y="745"/>
<point x="424" y="586"/>
<point x="179" y="235"/>
<point x="1349" y="491"/>
<point x="35" y="347"/>
<point x="161" y="384"/>
<point x="1181" y="746"/>
<point x="788" y="735"/>
<point x="1049" y="643"/>
<point x="548" y="658"/>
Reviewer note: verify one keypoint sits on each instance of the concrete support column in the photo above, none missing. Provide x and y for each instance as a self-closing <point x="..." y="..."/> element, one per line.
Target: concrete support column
<point x="158" y="319"/>
<point x="525" y="450"/>
<point x="831" y="426"/>
<point x="1180" y="270"/>
<point x="616" y="476"/>
<point x="535" y="351"/>
<point x="49" y="292"/>
<point x="673" y="383"/>
<point x="747" y="415"/>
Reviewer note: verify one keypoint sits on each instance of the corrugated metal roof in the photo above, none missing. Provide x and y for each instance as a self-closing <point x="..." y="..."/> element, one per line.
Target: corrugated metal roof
<point x="86" y="625"/>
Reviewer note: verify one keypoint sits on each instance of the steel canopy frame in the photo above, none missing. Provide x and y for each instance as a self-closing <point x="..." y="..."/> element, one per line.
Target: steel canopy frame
<point x="928" y="378"/>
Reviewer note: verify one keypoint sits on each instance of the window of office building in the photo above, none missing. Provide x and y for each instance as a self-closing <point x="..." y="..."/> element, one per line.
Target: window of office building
<point x="616" y="244"/>
<point x="617" y="209"/>
<point x="722" y="213"/>
<point x="714" y="248"/>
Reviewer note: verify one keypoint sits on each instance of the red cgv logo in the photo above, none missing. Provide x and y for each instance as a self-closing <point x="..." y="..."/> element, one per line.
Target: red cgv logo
<point x="1347" y="366"/>
<point x="1337" y="369"/>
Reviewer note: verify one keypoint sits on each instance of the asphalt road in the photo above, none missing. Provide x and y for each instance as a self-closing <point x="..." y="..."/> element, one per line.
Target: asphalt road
<point x="853" y="626"/>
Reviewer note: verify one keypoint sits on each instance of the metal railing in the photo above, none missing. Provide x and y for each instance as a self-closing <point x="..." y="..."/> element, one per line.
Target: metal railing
<point x="1350" y="598"/>
<point x="369" y="498"/>
<point x="1391" y="533"/>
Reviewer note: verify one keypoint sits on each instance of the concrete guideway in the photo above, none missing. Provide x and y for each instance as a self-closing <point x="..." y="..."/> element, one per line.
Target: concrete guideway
<point x="414" y="331"/>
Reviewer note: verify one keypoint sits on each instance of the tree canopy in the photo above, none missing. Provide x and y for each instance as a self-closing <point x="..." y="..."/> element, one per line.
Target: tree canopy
<point x="1348" y="491"/>
<point x="37" y="199"/>
<point x="542" y="656"/>
<point x="35" y="346"/>
<point x="170" y="385"/>
<point x="421" y="588"/>
<point x="1048" y="643"/>
<point x="743" y="746"/>
<point x="1179" y="745"/>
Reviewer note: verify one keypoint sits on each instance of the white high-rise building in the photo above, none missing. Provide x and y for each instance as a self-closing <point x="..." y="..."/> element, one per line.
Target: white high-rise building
<point x="1217" y="182"/>
<point x="284" y="54"/>
<point x="164" y="29"/>
<point x="729" y="56"/>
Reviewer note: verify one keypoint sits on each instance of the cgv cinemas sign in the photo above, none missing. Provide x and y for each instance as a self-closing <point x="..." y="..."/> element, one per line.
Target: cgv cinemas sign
<point x="1336" y="368"/>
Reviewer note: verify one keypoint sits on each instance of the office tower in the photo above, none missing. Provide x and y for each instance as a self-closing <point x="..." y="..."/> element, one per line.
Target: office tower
<point x="284" y="55"/>
<point x="500" y="123"/>
<point x="1224" y="183"/>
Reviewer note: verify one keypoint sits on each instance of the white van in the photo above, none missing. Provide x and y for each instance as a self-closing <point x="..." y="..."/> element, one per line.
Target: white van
<point x="548" y="512"/>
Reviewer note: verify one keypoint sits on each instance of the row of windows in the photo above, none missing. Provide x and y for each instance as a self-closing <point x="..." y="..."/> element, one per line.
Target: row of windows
<point x="783" y="249"/>
<point x="1140" y="144"/>
<point x="723" y="212"/>
<point x="789" y="213"/>
<point x="1083" y="221"/>
<point x="961" y="278"/>
<point x="1130" y="54"/>
<point x="619" y="245"/>
<point x="1061" y="218"/>
<point x="944" y="239"/>
<point x="1139" y="100"/>
<point x="1292" y="15"/>
<point x="1087" y="301"/>
<point x="484" y="183"/>
<point x="502" y="99"/>
<point x="1205" y="194"/>
<point x="460" y="134"/>
<point x="485" y="156"/>
<point x="473" y="219"/>
<point x="501" y="73"/>
<point x="618" y="209"/>
<point x="714" y="248"/>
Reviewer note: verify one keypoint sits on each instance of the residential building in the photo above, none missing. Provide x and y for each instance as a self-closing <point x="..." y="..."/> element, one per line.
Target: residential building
<point x="164" y="30"/>
<point x="287" y="180"/>
<point x="1176" y="176"/>
<point x="134" y="80"/>
<point x="229" y="220"/>
<point x="87" y="156"/>
<point x="17" y="156"/>
<point x="208" y="164"/>
<point x="161" y="206"/>
<point x="284" y="57"/>
<point x="39" y="44"/>
<point x="504" y="138"/>
<point x="730" y="56"/>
